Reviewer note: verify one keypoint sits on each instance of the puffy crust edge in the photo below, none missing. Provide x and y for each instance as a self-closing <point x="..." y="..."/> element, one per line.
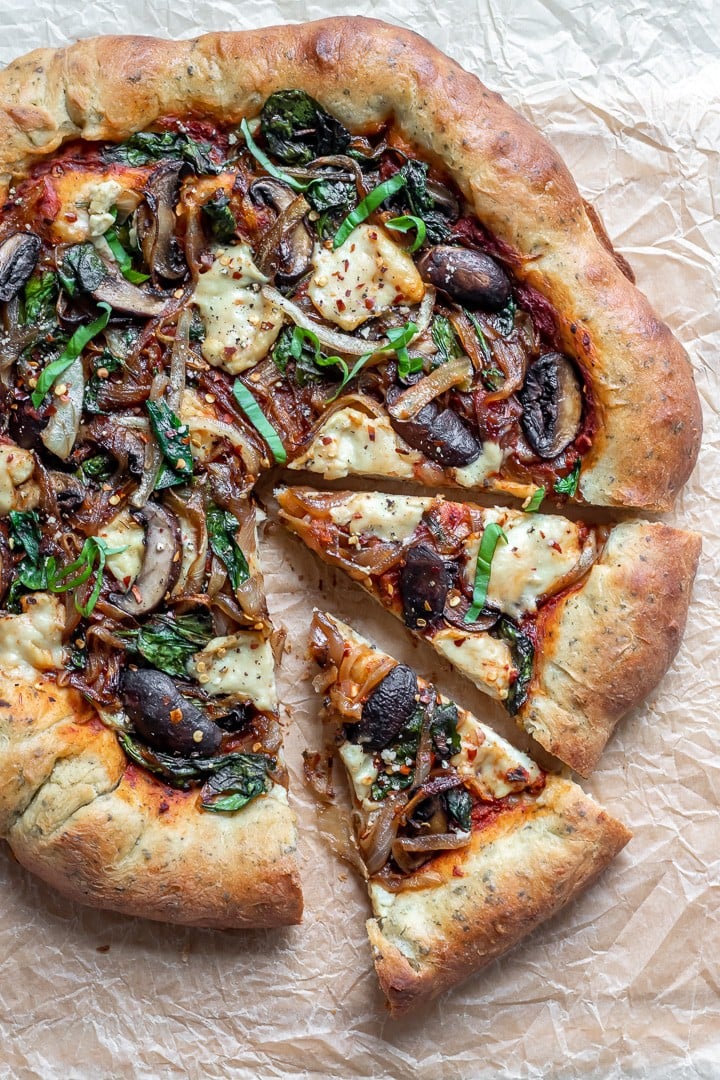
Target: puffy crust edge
<point x="105" y="833"/>
<point x="516" y="875"/>
<point x="604" y="647"/>
<point x="366" y="72"/>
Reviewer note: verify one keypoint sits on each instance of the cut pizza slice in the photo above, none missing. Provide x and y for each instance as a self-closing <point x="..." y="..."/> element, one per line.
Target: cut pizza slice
<point x="567" y="624"/>
<point x="466" y="843"/>
<point x="142" y="764"/>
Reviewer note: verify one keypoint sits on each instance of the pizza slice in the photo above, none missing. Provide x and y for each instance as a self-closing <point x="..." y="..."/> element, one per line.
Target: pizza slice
<point x="142" y="766"/>
<point x="466" y="843"/>
<point x="392" y="273"/>
<point x="567" y="624"/>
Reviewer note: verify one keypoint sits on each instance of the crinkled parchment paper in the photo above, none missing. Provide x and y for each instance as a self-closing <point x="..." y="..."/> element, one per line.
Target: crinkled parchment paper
<point x="623" y="983"/>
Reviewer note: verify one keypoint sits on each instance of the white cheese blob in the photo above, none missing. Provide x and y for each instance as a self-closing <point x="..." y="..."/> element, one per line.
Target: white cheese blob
<point x="487" y="464"/>
<point x="360" y="767"/>
<point x="541" y="550"/>
<point x="351" y="442"/>
<point x="16" y="468"/>
<point x="388" y="517"/>
<point x="192" y="407"/>
<point x="364" y="277"/>
<point x="86" y="200"/>
<point x="485" y="660"/>
<point x="240" y="324"/>
<point x="32" y="641"/>
<point x="489" y="761"/>
<point x="242" y="664"/>
<point x="123" y="531"/>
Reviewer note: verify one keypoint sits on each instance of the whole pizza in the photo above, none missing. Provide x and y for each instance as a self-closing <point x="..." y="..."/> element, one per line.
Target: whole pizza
<point x="324" y="248"/>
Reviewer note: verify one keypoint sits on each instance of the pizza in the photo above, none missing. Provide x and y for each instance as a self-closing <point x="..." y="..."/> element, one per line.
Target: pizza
<point x="465" y="842"/>
<point x="324" y="247"/>
<point x="567" y="624"/>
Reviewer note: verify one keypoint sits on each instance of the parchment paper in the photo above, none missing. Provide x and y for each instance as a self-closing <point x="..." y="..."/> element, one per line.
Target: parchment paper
<point x="625" y="982"/>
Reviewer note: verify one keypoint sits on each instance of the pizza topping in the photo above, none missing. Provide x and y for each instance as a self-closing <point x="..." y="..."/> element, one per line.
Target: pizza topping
<point x="425" y="580"/>
<point x="388" y="708"/>
<point x="83" y="269"/>
<point x="164" y="718"/>
<point x="128" y="536"/>
<point x="297" y="129"/>
<point x="17" y="492"/>
<point x="18" y="257"/>
<point x="492" y="535"/>
<point x="32" y="640"/>
<point x="155" y="222"/>
<point x="552" y="405"/>
<point x="441" y="435"/>
<point x="161" y="565"/>
<point x="468" y="276"/>
<point x="240" y="665"/>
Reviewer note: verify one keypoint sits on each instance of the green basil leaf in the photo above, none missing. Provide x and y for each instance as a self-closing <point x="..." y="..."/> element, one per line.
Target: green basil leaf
<point x="459" y="806"/>
<point x="255" y="415"/>
<point x="523" y="652"/>
<point x="404" y="224"/>
<point x="173" y="438"/>
<point x="39" y="298"/>
<point x="147" y="146"/>
<point x="535" y="502"/>
<point x="222" y="527"/>
<point x="370" y="203"/>
<point x="568" y="485"/>
<point x="282" y="350"/>
<point x="297" y="129"/>
<point x="25" y="532"/>
<point x="399" y="338"/>
<point x="72" y="350"/>
<point x="480" y="335"/>
<point x="262" y="159"/>
<point x="122" y="258"/>
<point x="91" y="560"/>
<point x="168" y="642"/>
<point x="445" y="338"/>
<point x="223" y="225"/>
<point x="236" y="784"/>
<point x="490" y="538"/>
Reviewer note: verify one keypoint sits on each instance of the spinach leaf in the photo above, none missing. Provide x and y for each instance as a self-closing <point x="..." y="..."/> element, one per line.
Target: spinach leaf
<point x="568" y="485"/>
<point x="25" y="532"/>
<point x="222" y="526"/>
<point x="81" y="268"/>
<point x="221" y="219"/>
<point x="70" y="353"/>
<point x="98" y="468"/>
<point x="405" y="749"/>
<point x="235" y="784"/>
<point x="105" y="362"/>
<point x="39" y="298"/>
<point x="505" y="319"/>
<point x="282" y="351"/>
<point x="29" y="577"/>
<point x="523" y="655"/>
<point x="147" y="146"/>
<point x="443" y="729"/>
<point x="459" y="806"/>
<point x="326" y="194"/>
<point x="445" y="339"/>
<point x="168" y="643"/>
<point x="297" y="129"/>
<point x="174" y="439"/>
<point x="417" y="197"/>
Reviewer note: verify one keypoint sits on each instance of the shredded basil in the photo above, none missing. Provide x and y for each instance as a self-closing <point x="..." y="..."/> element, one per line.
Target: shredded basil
<point x="404" y="224"/>
<point x="568" y="485"/>
<point x="168" y="642"/>
<point x="173" y="437"/>
<point x="445" y="338"/>
<point x="147" y="146"/>
<point x="222" y="527"/>
<point x="297" y="129"/>
<point x="91" y="560"/>
<point x="262" y="159"/>
<point x="70" y="353"/>
<point x="490" y="538"/>
<point x="523" y="655"/>
<point x="223" y="225"/>
<point x="399" y="338"/>
<point x="535" y="502"/>
<point x="255" y="415"/>
<point x="370" y="203"/>
<point x="122" y="258"/>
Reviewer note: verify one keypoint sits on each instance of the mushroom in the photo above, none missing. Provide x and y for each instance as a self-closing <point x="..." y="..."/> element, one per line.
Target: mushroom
<point x="286" y="249"/>
<point x="445" y="201"/>
<point x="440" y="435"/>
<point x="155" y="222"/>
<point x="424" y="583"/>
<point x="456" y="608"/>
<point x="69" y="491"/>
<point x="18" y="256"/>
<point x="468" y="276"/>
<point x="164" y="718"/>
<point x="552" y="405"/>
<point x="161" y="565"/>
<point x="105" y="282"/>
<point x="388" y="708"/>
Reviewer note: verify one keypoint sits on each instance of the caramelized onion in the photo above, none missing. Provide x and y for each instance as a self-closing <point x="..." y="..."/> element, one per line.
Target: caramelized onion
<point x="377" y="843"/>
<point x="454" y="373"/>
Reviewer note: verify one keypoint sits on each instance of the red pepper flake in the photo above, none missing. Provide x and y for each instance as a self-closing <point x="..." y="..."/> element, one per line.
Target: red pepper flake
<point x="371" y="433"/>
<point x="457" y="872"/>
<point x="341" y="305"/>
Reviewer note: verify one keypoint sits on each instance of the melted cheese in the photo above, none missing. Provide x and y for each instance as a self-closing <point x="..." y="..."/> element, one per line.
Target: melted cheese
<point x="488" y="761"/>
<point x="487" y="464"/>
<point x="124" y="532"/>
<point x="240" y="324"/>
<point x="242" y="665"/>
<point x="192" y="407"/>
<point x="364" y="277"/>
<point x="541" y="550"/>
<point x="32" y="641"/>
<point x="86" y="200"/>
<point x="351" y="442"/>
<point x="389" y="517"/>
<point x="360" y="768"/>
<point x="16" y="468"/>
<point x="485" y="660"/>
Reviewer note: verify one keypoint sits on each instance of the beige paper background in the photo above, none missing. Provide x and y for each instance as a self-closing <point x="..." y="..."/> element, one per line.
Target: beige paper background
<point x="625" y="982"/>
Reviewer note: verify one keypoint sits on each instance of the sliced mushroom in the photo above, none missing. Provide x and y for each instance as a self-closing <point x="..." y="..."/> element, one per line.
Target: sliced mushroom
<point x="441" y="436"/>
<point x="156" y="222"/>
<point x="445" y="201"/>
<point x="424" y="583"/>
<point x="161" y="565"/>
<point x="456" y="608"/>
<point x="69" y="491"/>
<point x="388" y="708"/>
<point x="468" y="276"/>
<point x="62" y="428"/>
<point x="552" y="405"/>
<point x="105" y="282"/>
<point x="18" y="256"/>
<point x="286" y="249"/>
<point x="272" y="193"/>
<point x="164" y="718"/>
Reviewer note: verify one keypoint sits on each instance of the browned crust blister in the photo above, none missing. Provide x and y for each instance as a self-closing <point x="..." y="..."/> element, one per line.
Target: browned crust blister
<point x="105" y="833"/>
<point x="367" y="72"/>
<point x="516" y="874"/>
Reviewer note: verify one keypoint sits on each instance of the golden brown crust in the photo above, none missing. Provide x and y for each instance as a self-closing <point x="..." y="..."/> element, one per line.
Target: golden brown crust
<point x="516" y="874"/>
<point x="106" y="833"/>
<point x="605" y="646"/>
<point x="366" y="72"/>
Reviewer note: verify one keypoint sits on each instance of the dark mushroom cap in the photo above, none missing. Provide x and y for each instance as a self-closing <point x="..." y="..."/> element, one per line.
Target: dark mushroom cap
<point x="440" y="435"/>
<point x="388" y="708"/>
<point x="164" y="718"/>
<point x="552" y="405"/>
<point x="468" y="276"/>
<point x="18" y="256"/>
